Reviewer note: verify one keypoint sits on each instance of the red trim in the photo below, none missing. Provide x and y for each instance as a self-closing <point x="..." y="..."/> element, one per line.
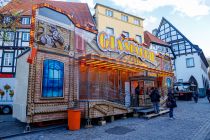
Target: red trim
<point x="6" y="75"/>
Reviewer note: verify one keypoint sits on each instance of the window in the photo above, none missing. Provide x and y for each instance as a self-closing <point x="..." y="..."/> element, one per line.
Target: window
<point x="159" y="48"/>
<point x="167" y="35"/>
<point x="136" y="21"/>
<point x="25" y="36"/>
<point x="109" y="13"/>
<point x="54" y="15"/>
<point x="175" y="47"/>
<point x="109" y="31"/>
<point x="181" y="46"/>
<point x="8" y="59"/>
<point x="7" y="20"/>
<point x="138" y="38"/>
<point x="9" y="36"/>
<point x="53" y="76"/>
<point x="190" y="62"/>
<point x="180" y="80"/>
<point x="126" y="34"/>
<point x="25" y="20"/>
<point x="124" y="18"/>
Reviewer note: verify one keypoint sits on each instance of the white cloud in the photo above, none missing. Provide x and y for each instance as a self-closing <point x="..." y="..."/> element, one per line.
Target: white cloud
<point x="150" y="23"/>
<point x="191" y="8"/>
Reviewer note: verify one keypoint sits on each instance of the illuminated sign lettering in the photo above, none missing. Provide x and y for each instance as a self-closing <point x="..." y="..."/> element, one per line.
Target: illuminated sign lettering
<point x="120" y="45"/>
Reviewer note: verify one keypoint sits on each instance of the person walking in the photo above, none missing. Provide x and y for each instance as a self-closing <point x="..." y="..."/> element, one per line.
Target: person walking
<point x="155" y="99"/>
<point x="195" y="96"/>
<point x="137" y="91"/>
<point x="171" y="103"/>
<point x="208" y="94"/>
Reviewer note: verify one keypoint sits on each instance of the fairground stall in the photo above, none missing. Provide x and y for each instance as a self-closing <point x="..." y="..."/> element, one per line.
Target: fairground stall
<point x="71" y="65"/>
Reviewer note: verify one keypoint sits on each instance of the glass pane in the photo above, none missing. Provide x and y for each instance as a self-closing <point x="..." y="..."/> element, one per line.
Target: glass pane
<point x="53" y="74"/>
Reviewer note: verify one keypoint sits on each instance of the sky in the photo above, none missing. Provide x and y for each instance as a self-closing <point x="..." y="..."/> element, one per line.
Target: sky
<point x="191" y="17"/>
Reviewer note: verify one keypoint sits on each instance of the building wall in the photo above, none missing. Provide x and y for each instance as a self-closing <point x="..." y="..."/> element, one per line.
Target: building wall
<point x="115" y="22"/>
<point x="55" y="107"/>
<point x="182" y="72"/>
<point x="21" y="89"/>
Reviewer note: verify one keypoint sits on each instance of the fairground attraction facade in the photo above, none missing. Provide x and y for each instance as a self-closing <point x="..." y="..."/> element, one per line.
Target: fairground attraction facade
<point x="71" y="64"/>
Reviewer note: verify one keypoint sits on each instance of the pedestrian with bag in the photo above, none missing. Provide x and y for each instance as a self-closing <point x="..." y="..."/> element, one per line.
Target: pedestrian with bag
<point x="155" y="99"/>
<point x="171" y="103"/>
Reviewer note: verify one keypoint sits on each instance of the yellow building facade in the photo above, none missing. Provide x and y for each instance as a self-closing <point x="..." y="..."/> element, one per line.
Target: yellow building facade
<point x="116" y="22"/>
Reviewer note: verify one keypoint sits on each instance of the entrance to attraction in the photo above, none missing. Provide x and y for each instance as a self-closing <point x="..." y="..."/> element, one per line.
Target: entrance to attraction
<point x="145" y="85"/>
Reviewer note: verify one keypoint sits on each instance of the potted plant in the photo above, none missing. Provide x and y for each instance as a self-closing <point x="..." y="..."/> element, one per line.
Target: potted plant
<point x="7" y="88"/>
<point x="11" y="93"/>
<point x="2" y="93"/>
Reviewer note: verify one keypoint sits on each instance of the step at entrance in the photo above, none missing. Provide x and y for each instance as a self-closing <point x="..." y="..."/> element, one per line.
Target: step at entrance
<point x="155" y="115"/>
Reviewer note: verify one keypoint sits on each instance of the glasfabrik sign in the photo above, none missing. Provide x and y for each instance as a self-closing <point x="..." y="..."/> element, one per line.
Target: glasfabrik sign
<point x="120" y="45"/>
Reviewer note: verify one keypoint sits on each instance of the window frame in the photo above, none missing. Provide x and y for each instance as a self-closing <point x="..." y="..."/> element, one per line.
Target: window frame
<point x="24" y="22"/>
<point x="136" y="21"/>
<point x="10" y="36"/>
<point x="12" y="59"/>
<point x="28" y="37"/>
<point x="180" y="80"/>
<point x="191" y="58"/>
<point x="126" y="19"/>
<point x="108" y="28"/>
<point x="139" y="37"/>
<point x="7" y="19"/>
<point x="109" y="13"/>
<point x="124" y="33"/>
<point x="63" y="80"/>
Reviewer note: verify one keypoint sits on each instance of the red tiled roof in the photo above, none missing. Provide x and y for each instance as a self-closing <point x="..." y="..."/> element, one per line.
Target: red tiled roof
<point x="150" y="38"/>
<point x="80" y="11"/>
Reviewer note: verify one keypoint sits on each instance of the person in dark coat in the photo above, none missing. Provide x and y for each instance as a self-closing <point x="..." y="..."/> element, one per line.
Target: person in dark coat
<point x="155" y="99"/>
<point x="195" y="96"/>
<point x="137" y="91"/>
<point x="208" y="94"/>
<point x="171" y="103"/>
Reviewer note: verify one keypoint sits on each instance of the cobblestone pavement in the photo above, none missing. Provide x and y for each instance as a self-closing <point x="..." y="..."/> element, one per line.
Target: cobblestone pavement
<point x="192" y="123"/>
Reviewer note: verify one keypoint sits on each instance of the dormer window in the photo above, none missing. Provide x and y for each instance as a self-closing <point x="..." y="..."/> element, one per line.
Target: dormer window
<point x="25" y="20"/>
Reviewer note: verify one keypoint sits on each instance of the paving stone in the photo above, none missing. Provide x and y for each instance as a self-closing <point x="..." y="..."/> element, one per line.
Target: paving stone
<point x="192" y="122"/>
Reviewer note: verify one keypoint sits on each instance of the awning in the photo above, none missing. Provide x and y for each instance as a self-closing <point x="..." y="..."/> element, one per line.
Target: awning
<point x="106" y="62"/>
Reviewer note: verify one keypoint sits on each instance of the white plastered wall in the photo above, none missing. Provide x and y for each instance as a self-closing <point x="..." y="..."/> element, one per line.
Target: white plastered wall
<point x="21" y="88"/>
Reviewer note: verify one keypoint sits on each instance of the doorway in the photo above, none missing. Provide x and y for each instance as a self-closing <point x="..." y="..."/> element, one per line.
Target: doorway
<point x="145" y="84"/>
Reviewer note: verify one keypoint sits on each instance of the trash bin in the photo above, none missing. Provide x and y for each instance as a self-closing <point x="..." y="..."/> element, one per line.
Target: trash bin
<point x="74" y="116"/>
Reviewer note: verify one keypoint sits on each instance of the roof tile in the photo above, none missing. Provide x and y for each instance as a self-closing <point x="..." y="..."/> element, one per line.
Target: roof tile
<point x="80" y="11"/>
<point x="150" y="38"/>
